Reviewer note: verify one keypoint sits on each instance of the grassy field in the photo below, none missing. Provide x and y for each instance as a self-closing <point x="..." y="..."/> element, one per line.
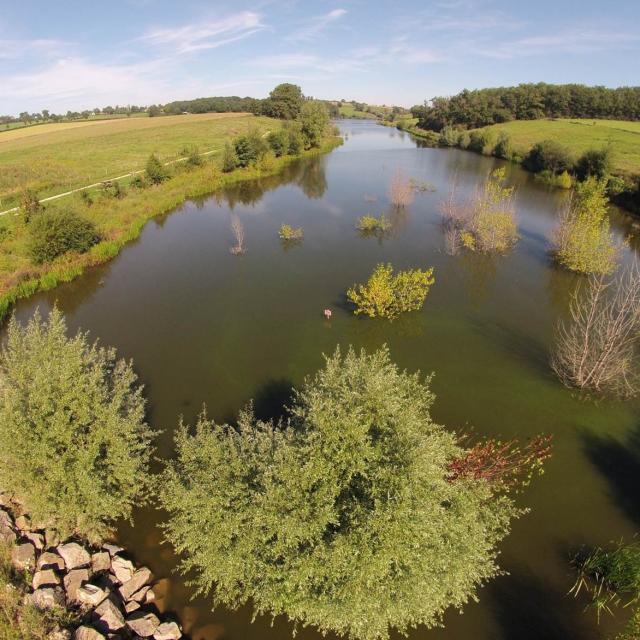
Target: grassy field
<point x="53" y="158"/>
<point x="92" y="118"/>
<point x="580" y="135"/>
<point x="347" y="110"/>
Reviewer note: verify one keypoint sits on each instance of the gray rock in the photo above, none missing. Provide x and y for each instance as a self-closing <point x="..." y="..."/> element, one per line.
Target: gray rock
<point x="168" y="631"/>
<point x="49" y="560"/>
<point x="23" y="556"/>
<point x="139" y="579"/>
<point x="74" y="555"/>
<point x="122" y="568"/>
<point x="143" y="623"/>
<point x="101" y="561"/>
<point x="45" y="578"/>
<point x="112" y="549"/>
<point x="36" y="539"/>
<point x="87" y="633"/>
<point x="48" y="598"/>
<point x="90" y="595"/>
<point x="73" y="581"/>
<point x="109" y="616"/>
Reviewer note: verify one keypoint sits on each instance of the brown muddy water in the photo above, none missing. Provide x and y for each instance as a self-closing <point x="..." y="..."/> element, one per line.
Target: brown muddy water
<point x="207" y="327"/>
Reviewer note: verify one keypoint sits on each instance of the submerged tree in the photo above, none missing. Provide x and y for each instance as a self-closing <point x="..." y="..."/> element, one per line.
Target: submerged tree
<point x="357" y="514"/>
<point x="74" y="444"/>
<point x="597" y="348"/>
<point x="401" y="191"/>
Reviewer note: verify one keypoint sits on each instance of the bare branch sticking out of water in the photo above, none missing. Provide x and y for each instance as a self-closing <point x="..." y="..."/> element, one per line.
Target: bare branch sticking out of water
<point x="597" y="348"/>
<point x="401" y="191"/>
<point x="238" y="232"/>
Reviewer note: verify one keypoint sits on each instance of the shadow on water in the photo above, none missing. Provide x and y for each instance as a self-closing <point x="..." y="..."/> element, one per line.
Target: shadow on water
<point x="619" y="463"/>
<point x="272" y="398"/>
<point x="527" y="608"/>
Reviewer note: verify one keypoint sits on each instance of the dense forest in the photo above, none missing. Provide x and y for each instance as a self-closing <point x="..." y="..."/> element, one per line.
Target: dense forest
<point x="471" y="109"/>
<point x="219" y="104"/>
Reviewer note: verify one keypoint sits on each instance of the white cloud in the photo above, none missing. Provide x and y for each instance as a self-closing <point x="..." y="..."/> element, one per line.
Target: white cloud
<point x="11" y="49"/>
<point x="206" y="35"/>
<point x="317" y="25"/>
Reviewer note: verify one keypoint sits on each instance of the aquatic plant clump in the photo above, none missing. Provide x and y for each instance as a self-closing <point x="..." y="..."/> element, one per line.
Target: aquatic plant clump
<point x="313" y="517"/>
<point x="387" y="295"/>
<point x="370" y="224"/>
<point x="290" y="234"/>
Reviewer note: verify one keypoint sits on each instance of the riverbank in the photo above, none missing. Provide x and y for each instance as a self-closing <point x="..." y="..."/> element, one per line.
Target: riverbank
<point x="119" y="220"/>
<point x="68" y="589"/>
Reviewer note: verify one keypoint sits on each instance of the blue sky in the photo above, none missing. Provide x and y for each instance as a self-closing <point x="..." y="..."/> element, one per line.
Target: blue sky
<point x="72" y="54"/>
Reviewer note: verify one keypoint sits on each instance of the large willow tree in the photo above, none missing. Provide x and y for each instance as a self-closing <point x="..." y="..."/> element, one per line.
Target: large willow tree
<point x="356" y="515"/>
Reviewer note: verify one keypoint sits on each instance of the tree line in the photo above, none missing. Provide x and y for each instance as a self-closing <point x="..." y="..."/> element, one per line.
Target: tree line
<point x="482" y="107"/>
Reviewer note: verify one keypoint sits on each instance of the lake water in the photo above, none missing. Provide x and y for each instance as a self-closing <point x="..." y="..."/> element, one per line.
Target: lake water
<point x="207" y="327"/>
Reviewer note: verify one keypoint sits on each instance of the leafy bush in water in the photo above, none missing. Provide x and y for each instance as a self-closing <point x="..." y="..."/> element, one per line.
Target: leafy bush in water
<point x="491" y="226"/>
<point x="548" y="155"/>
<point x="388" y="295"/>
<point x="74" y="445"/>
<point x="155" y="171"/>
<point x="53" y="233"/>
<point x="582" y="241"/>
<point x="279" y="142"/>
<point x="314" y="118"/>
<point x="594" y="162"/>
<point x="482" y="141"/>
<point x="287" y="232"/>
<point x="371" y="224"/>
<point x="313" y="517"/>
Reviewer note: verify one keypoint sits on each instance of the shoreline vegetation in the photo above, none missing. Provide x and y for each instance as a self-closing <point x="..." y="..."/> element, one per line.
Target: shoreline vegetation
<point x="138" y="207"/>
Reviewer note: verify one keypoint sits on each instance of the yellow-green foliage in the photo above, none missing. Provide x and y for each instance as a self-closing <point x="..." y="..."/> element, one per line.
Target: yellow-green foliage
<point x="583" y="242"/>
<point x="20" y="620"/>
<point x="492" y="226"/>
<point x="388" y="295"/>
<point x="287" y="232"/>
<point x="371" y="224"/>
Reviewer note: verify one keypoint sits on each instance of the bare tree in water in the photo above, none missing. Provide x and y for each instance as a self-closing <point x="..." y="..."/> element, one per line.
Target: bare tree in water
<point x="238" y="232"/>
<point x="452" y="213"/>
<point x="597" y="348"/>
<point x="401" y="191"/>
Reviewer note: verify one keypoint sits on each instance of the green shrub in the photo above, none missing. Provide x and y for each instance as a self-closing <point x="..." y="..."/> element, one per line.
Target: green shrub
<point x="30" y="205"/>
<point x="448" y="137"/>
<point x="86" y="198"/>
<point x="112" y="189"/>
<point x="138" y="182"/>
<point x="582" y="241"/>
<point x="56" y="232"/>
<point x="503" y="148"/>
<point x="250" y="148"/>
<point x="562" y="180"/>
<point x="229" y="158"/>
<point x="74" y="445"/>
<point x="371" y="224"/>
<point x="289" y="233"/>
<point x="194" y="159"/>
<point x="279" y="142"/>
<point x="387" y="295"/>
<point x="345" y="516"/>
<point x="155" y="171"/>
<point x="464" y="140"/>
<point x="548" y="155"/>
<point x="314" y="119"/>
<point x="594" y="162"/>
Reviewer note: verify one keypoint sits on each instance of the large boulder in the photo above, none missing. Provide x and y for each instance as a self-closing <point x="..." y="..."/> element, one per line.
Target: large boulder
<point x="23" y="523"/>
<point x="36" y="539"/>
<point x="122" y="568"/>
<point x="112" y="549"/>
<point x="167" y="631"/>
<point x="143" y="623"/>
<point x="73" y="581"/>
<point x="51" y="538"/>
<point x="109" y="618"/>
<point x="23" y="556"/>
<point x="100" y="561"/>
<point x="139" y="579"/>
<point x="45" y="578"/>
<point x="74" y="555"/>
<point x="50" y="560"/>
<point x="90" y="595"/>
<point x="48" y="598"/>
<point x="87" y="633"/>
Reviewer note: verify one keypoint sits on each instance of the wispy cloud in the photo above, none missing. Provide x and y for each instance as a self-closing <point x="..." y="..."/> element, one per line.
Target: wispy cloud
<point x="315" y="26"/>
<point x="11" y="49"/>
<point x="307" y="61"/>
<point x="570" y="41"/>
<point x="206" y="35"/>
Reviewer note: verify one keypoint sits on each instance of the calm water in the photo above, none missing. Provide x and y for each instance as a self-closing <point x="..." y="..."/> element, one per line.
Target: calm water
<point x="206" y="327"/>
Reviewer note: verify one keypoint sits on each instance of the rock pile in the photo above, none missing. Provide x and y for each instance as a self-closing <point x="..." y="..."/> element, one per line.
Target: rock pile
<point x="109" y="595"/>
